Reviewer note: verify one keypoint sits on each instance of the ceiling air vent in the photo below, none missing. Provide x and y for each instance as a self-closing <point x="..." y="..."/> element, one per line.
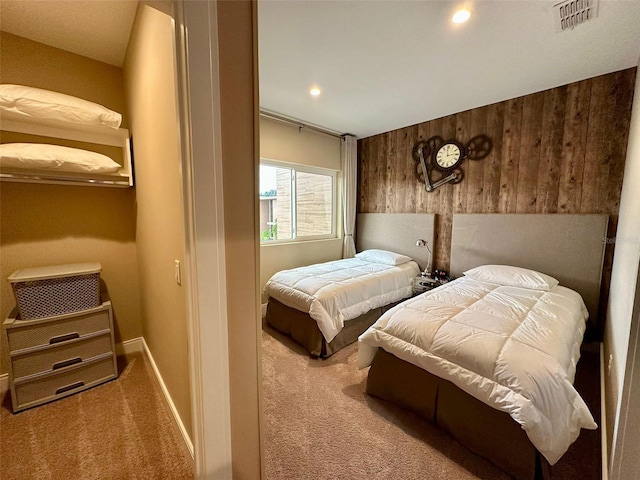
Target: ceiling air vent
<point x="571" y="13"/>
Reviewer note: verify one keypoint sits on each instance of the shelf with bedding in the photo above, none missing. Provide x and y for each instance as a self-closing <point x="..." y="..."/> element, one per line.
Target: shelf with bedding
<point x="54" y="138"/>
<point x="55" y="130"/>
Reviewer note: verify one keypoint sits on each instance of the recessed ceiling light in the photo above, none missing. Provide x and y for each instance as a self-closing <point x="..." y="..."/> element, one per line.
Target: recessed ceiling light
<point x="461" y="16"/>
<point x="315" y="91"/>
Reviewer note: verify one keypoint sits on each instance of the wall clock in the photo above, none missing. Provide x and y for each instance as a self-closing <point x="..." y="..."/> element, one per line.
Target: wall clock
<point x="447" y="156"/>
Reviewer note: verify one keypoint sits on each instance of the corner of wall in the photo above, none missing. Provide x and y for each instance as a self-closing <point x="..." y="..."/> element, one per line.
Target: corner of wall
<point x="624" y="278"/>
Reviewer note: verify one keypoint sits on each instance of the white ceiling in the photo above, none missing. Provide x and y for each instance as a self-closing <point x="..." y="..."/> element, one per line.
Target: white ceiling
<point x="97" y="29"/>
<point x="383" y="65"/>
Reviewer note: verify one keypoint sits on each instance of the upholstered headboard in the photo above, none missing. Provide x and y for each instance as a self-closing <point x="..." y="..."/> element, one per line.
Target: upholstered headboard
<point x="567" y="247"/>
<point x="397" y="232"/>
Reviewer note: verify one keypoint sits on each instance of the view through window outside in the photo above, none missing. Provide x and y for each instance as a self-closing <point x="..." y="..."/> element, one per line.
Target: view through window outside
<point x="294" y="204"/>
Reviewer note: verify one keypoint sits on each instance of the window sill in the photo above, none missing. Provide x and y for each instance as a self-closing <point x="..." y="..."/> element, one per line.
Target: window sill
<point x="278" y="243"/>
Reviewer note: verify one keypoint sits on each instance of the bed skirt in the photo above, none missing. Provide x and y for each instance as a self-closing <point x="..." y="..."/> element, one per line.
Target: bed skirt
<point x="304" y="329"/>
<point x="487" y="432"/>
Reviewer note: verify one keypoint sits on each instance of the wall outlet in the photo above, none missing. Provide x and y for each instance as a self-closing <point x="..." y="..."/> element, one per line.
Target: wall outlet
<point x="609" y="365"/>
<point x="178" y="273"/>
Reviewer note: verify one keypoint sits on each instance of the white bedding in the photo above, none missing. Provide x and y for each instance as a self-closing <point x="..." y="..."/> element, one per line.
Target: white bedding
<point x="39" y="103"/>
<point x="334" y="292"/>
<point x="515" y="349"/>
<point x="41" y="156"/>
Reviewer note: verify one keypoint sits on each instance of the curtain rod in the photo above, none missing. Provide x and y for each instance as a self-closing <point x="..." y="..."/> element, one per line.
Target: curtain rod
<point x="299" y="124"/>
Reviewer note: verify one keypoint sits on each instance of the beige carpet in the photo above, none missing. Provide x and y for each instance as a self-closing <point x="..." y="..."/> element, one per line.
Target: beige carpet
<point x="119" y="430"/>
<point x="319" y="424"/>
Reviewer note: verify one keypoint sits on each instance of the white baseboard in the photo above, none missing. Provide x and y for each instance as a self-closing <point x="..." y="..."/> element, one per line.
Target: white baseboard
<point x="139" y="345"/>
<point x="4" y="385"/>
<point x="135" y="345"/>
<point x="603" y="418"/>
<point x="172" y="407"/>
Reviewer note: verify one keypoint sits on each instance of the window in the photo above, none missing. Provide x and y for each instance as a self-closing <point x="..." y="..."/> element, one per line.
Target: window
<point x="296" y="202"/>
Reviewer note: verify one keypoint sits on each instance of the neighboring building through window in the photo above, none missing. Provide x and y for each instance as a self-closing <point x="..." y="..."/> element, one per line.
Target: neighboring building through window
<point x="296" y="202"/>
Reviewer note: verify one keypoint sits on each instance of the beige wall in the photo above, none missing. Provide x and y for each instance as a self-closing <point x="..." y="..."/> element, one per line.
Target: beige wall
<point x="239" y="106"/>
<point x="623" y="276"/>
<point x="25" y="62"/>
<point x="285" y="143"/>
<point x="54" y="224"/>
<point x="149" y="73"/>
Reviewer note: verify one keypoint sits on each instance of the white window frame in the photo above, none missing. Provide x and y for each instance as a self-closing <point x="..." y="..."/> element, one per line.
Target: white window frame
<point x="295" y="168"/>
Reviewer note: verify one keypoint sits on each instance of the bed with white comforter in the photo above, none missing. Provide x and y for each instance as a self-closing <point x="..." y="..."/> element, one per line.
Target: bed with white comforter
<point x="335" y="292"/>
<point x="513" y="348"/>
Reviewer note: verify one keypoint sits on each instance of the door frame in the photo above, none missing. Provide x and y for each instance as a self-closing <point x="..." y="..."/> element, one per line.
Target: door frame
<point x="203" y="202"/>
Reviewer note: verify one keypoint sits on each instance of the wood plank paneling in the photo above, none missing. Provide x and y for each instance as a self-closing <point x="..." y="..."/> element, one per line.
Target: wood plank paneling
<point x="595" y="170"/>
<point x="558" y="151"/>
<point x="475" y="168"/>
<point x="510" y="155"/>
<point x="380" y="174"/>
<point x="576" y="123"/>
<point x="553" y="112"/>
<point x="429" y="200"/>
<point x="391" y="169"/>
<point x="527" y="189"/>
<point x="411" y="198"/>
<point x="492" y="164"/>
<point x="623" y="92"/>
<point x="460" y="190"/>
<point x="363" y="180"/>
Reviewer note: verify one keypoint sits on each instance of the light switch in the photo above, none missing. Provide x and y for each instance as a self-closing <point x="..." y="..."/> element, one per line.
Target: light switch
<point x="178" y="274"/>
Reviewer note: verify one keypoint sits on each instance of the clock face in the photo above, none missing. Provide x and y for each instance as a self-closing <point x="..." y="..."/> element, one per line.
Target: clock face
<point x="448" y="156"/>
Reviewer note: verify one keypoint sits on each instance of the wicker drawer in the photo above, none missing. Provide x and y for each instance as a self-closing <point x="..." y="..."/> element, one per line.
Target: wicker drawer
<point x="27" y="334"/>
<point x="60" y="384"/>
<point x="60" y="356"/>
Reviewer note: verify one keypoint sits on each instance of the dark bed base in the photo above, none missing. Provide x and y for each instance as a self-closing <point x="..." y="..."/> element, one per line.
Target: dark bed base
<point x="304" y="329"/>
<point x="488" y="432"/>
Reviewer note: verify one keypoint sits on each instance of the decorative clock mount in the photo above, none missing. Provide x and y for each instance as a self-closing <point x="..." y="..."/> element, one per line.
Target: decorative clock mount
<point x="447" y="156"/>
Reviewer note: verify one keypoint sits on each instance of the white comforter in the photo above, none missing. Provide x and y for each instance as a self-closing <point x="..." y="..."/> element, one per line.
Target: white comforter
<point x="513" y="348"/>
<point x="334" y="292"/>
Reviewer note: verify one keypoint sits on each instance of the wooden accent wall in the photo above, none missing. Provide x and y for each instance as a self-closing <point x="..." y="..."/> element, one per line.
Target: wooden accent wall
<point x="557" y="151"/>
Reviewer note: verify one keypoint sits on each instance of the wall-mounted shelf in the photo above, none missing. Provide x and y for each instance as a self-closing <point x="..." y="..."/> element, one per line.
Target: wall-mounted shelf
<point x="55" y="129"/>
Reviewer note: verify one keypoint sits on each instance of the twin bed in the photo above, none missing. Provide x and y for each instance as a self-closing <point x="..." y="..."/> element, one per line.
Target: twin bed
<point x="491" y="356"/>
<point x="328" y="306"/>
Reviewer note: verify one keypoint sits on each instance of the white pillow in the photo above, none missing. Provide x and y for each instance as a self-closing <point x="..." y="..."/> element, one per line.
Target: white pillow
<point x="512" y="276"/>
<point x="41" y="156"/>
<point x="383" y="256"/>
<point x="36" y="102"/>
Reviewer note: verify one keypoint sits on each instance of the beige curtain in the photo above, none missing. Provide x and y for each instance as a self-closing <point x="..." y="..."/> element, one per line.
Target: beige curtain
<point x="349" y="192"/>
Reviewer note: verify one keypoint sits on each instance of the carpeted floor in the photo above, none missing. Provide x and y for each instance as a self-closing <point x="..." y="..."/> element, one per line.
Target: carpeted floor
<point x="119" y="430"/>
<point x="319" y="424"/>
